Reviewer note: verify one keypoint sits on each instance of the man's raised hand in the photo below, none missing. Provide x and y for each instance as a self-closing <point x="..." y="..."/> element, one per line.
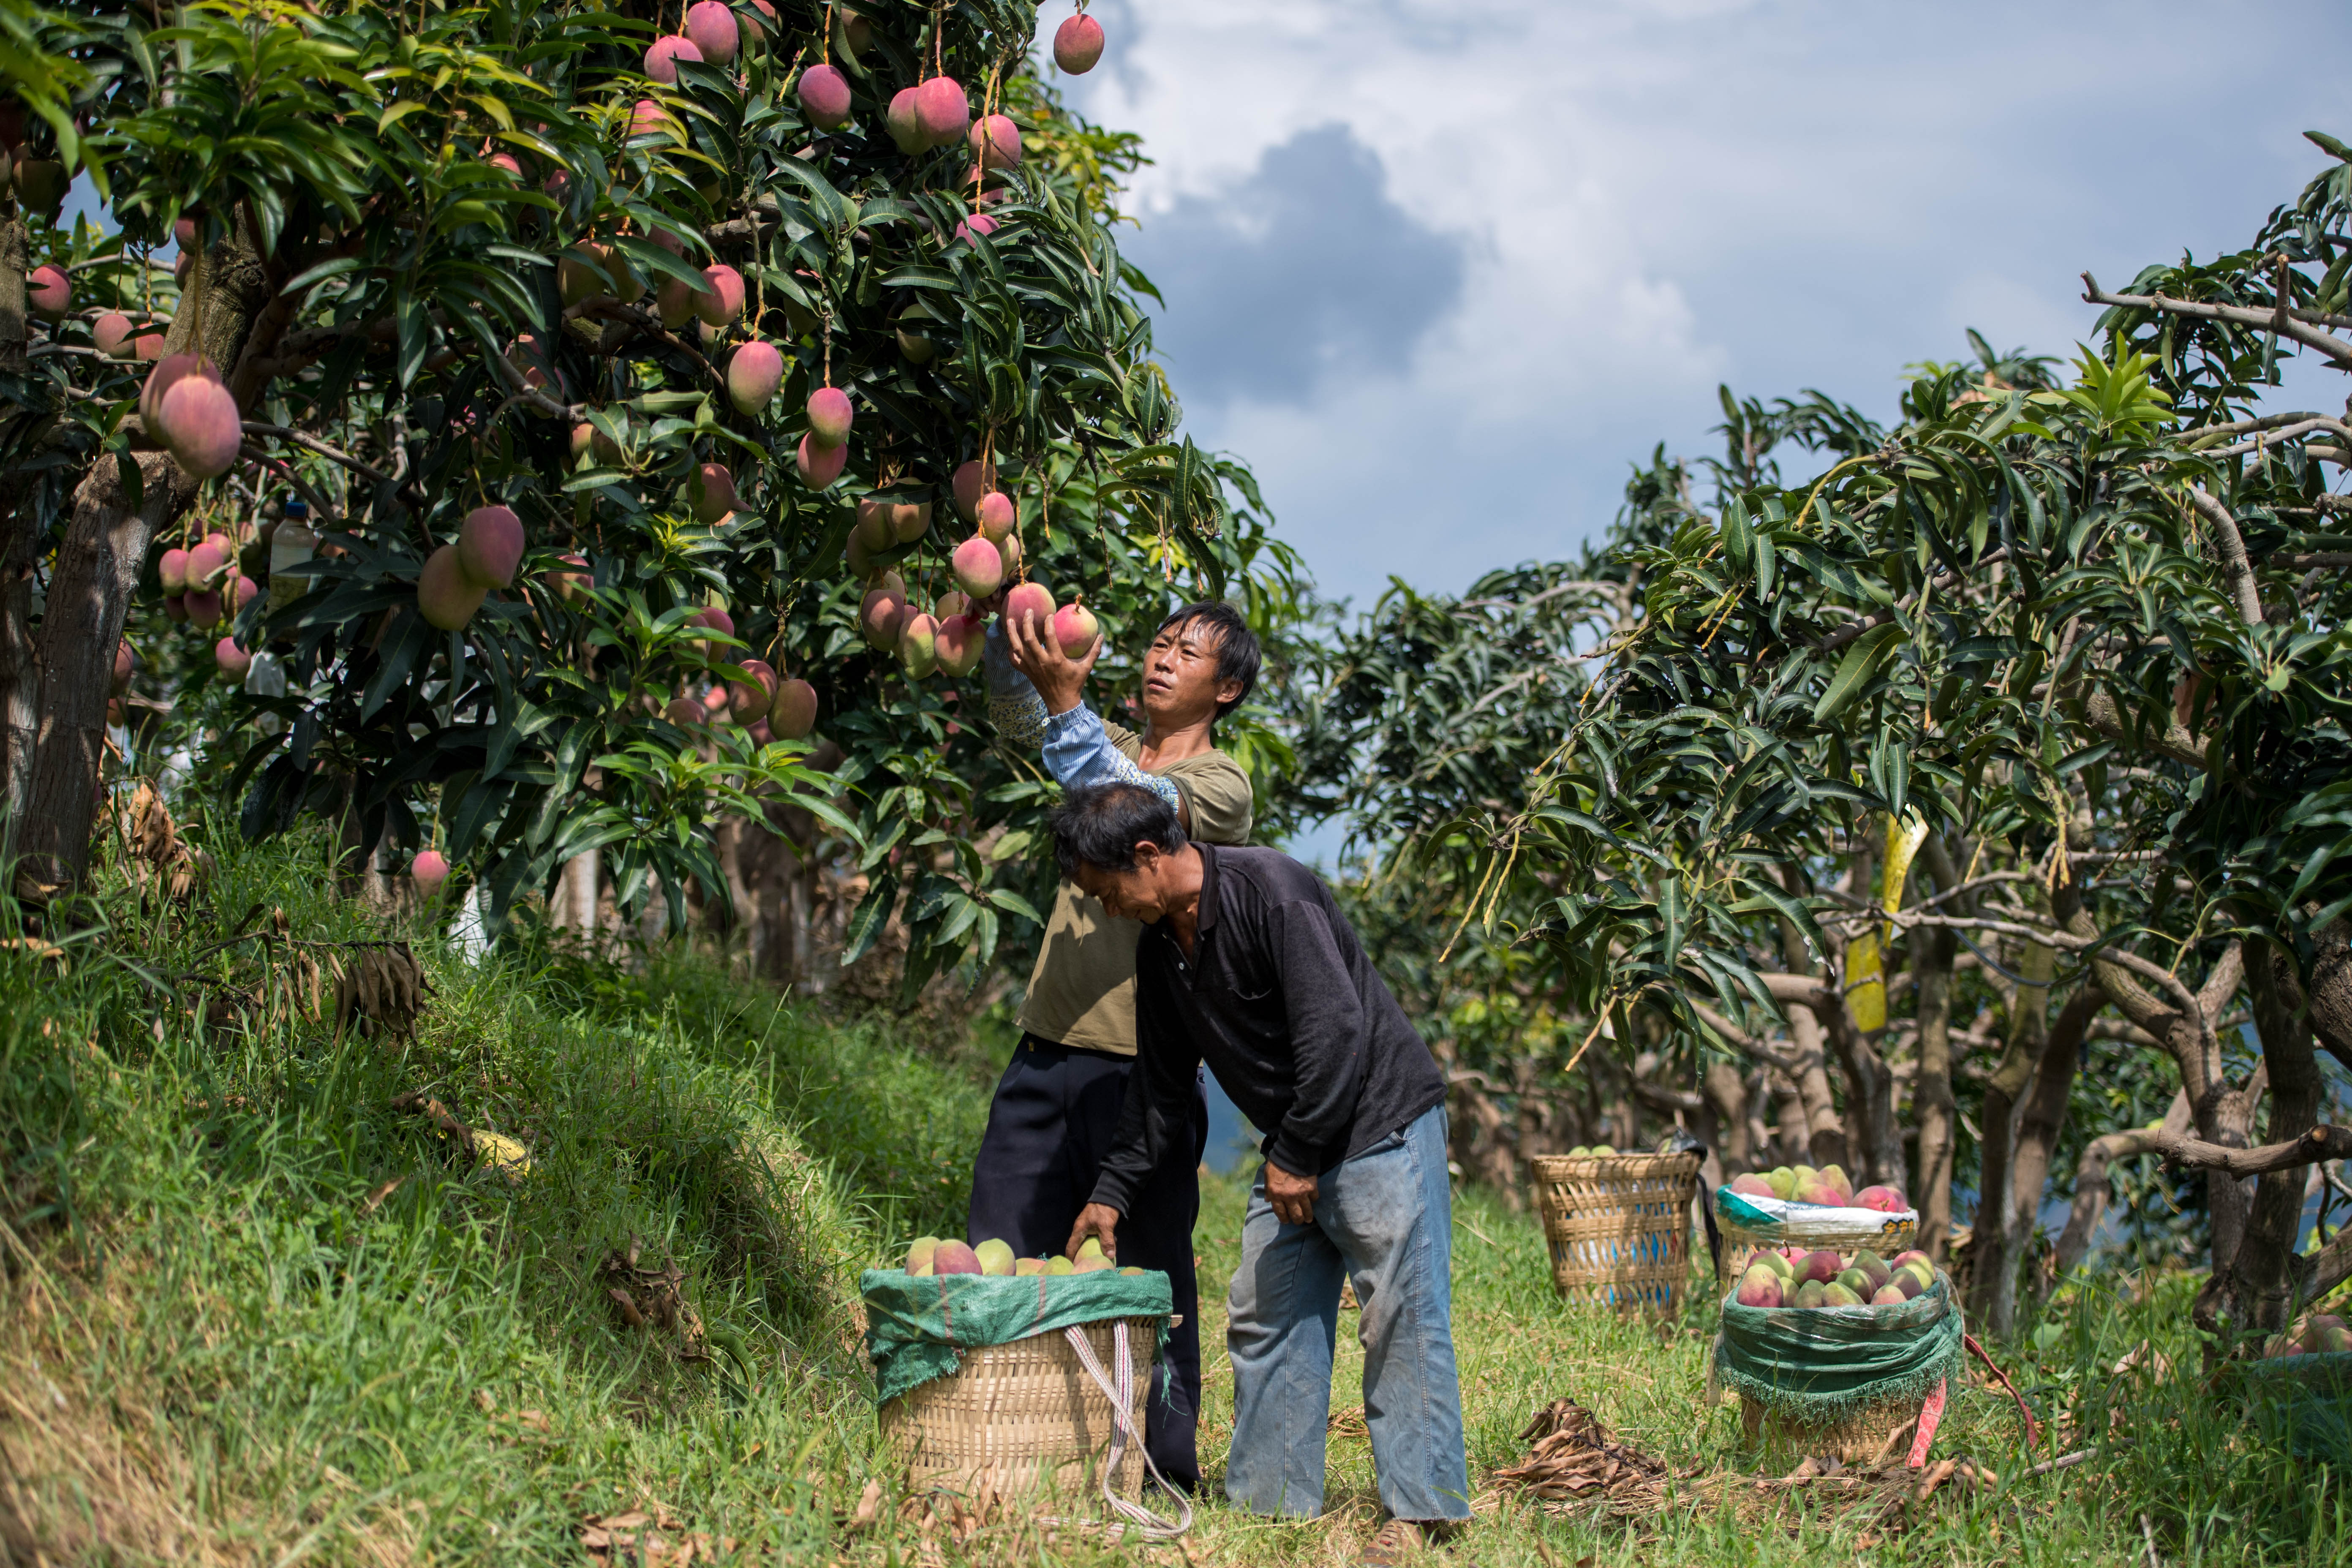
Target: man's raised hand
<point x="1058" y="677"/>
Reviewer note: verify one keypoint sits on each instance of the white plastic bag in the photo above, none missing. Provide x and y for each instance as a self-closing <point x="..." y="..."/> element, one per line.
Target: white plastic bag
<point x="1778" y="1222"/>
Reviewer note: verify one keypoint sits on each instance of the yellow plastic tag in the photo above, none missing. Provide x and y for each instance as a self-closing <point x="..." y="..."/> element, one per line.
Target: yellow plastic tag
<point x="1904" y="837"/>
<point x="1865" y="986"/>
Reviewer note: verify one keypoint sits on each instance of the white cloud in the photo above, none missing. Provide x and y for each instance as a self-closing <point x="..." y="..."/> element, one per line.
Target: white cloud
<point x="1652" y="197"/>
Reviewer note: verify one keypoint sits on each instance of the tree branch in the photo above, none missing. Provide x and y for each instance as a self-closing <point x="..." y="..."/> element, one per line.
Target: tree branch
<point x="2100" y="713"/>
<point x="2235" y="565"/>
<point x="2091" y="1184"/>
<point x="2267" y="422"/>
<point x="2335" y="348"/>
<point x="2268" y="439"/>
<point x="1762" y="1050"/>
<point x="254" y="427"/>
<point x="2322" y="1143"/>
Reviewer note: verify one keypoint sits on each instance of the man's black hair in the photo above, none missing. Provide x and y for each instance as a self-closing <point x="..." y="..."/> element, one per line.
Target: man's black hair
<point x="1237" y="655"/>
<point x="1101" y="825"/>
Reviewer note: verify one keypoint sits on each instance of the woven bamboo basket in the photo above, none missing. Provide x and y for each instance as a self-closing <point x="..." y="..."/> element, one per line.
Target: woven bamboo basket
<point x="1019" y="1416"/>
<point x="1619" y="1227"/>
<point x="1858" y="1439"/>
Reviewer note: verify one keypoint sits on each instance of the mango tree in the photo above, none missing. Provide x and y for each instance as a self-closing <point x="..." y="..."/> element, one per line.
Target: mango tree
<point x="630" y="379"/>
<point x="2077" y="651"/>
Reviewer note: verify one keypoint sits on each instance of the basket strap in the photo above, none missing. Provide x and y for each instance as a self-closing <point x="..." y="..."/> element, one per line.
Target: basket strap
<point x="1121" y="1394"/>
<point x="2033" y="1428"/>
<point x="1931" y="1415"/>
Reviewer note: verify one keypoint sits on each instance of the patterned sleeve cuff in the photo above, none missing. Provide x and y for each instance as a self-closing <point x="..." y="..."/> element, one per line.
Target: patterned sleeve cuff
<point x="1018" y="716"/>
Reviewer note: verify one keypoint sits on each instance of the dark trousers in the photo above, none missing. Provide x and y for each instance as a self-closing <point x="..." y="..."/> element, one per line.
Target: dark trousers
<point x="1049" y="1128"/>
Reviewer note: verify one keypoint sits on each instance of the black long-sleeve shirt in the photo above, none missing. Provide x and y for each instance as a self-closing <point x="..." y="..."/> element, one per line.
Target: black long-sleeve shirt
<point x="1280" y="1000"/>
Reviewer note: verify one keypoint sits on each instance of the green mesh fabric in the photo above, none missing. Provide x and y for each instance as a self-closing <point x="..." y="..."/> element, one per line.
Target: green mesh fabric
<point x="1821" y="1364"/>
<point x="918" y="1326"/>
<point x="2304" y="1403"/>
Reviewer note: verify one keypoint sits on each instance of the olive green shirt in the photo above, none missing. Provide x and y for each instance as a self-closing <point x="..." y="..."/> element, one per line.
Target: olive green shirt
<point x="1081" y="992"/>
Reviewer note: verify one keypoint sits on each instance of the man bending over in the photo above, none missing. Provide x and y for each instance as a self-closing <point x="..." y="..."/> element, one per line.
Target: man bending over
<point x="1245" y="963"/>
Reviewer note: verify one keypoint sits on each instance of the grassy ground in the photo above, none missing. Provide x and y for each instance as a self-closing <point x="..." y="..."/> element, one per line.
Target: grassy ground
<point x="250" y="1313"/>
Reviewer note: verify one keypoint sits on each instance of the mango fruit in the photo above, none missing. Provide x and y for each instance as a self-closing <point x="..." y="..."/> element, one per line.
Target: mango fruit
<point x="1822" y="1265"/>
<point x="1760" y="1287"/>
<point x="1870" y="1263"/>
<point x="1782" y="1180"/>
<point x="954" y="1258"/>
<point x="995" y="1256"/>
<point x="918" y="1255"/>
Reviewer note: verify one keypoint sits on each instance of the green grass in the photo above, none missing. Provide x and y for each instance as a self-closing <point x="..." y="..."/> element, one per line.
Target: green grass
<point x="223" y="1340"/>
<point x="2214" y="1491"/>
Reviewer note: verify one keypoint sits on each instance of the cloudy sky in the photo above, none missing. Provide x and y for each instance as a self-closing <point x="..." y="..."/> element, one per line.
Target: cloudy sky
<point x="1441" y="269"/>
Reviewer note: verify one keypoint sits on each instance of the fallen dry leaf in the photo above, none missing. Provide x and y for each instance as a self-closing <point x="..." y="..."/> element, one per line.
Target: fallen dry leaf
<point x="654" y="1540"/>
<point x="1576" y="1460"/>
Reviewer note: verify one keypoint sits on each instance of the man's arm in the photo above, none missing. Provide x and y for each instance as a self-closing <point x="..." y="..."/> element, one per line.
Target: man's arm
<point x="1013" y="705"/>
<point x="1077" y="751"/>
<point x="1157" y="1109"/>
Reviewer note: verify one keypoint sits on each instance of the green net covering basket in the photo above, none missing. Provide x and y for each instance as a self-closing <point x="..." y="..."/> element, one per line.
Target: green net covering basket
<point x="985" y="1384"/>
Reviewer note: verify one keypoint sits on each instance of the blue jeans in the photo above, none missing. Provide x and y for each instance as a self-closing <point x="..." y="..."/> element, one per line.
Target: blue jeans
<point x="1385" y="1219"/>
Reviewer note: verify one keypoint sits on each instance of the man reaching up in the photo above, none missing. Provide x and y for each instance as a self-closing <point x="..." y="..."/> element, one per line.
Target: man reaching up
<point x="1057" y="1106"/>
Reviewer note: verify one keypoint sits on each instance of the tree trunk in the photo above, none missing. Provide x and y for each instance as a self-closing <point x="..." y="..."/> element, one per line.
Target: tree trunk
<point x="16" y="257"/>
<point x="1873" y="1136"/>
<point x="1726" y="1092"/>
<point x="1992" y="1267"/>
<point x="1793" y="1134"/>
<point x="2328" y="985"/>
<point x="19" y="675"/>
<point x="1932" y="952"/>
<point x="20" y="668"/>
<point x="98" y="568"/>
<point x="2091" y="1185"/>
<point x="1825" y="1139"/>
<point x="2044" y="1119"/>
<point x="1825" y="1142"/>
<point x="1874" y="1139"/>
<point x="2219" y="1110"/>
<point x="2252" y="1290"/>
<point x="90" y="597"/>
<point x="575" y="897"/>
